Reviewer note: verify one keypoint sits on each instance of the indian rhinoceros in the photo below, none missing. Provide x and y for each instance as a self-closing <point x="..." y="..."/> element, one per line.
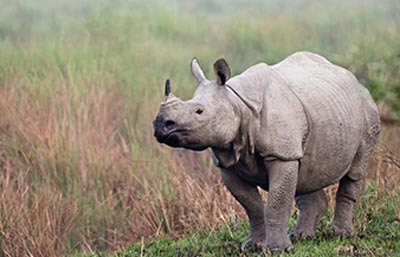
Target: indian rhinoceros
<point x="292" y="129"/>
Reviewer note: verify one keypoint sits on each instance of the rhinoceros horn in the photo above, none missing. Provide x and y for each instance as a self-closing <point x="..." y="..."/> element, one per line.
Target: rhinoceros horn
<point x="167" y="88"/>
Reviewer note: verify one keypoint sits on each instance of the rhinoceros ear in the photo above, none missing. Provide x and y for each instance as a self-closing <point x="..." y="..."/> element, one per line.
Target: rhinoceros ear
<point x="222" y="70"/>
<point x="196" y="70"/>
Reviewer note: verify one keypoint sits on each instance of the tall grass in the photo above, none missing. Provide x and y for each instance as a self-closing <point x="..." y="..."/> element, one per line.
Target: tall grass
<point x="80" y="85"/>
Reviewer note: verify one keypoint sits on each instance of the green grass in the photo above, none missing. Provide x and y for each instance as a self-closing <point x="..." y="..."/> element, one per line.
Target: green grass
<point x="378" y="234"/>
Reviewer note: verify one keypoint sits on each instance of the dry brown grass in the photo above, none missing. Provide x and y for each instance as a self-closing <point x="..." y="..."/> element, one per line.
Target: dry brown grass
<point x="76" y="175"/>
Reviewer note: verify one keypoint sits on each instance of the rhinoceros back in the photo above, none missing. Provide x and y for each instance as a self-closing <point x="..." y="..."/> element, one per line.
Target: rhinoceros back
<point x="338" y="110"/>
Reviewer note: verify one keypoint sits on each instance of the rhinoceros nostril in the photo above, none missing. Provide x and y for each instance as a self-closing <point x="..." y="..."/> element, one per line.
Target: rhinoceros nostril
<point x="169" y="125"/>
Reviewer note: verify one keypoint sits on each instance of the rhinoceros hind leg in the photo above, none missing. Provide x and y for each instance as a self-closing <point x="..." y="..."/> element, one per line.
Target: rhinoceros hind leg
<point x="345" y="198"/>
<point x="349" y="190"/>
<point x="312" y="207"/>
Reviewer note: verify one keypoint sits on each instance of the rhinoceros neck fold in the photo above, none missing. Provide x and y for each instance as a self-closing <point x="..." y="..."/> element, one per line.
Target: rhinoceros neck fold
<point x="249" y="87"/>
<point x="252" y="109"/>
<point x="243" y="145"/>
<point x="247" y="96"/>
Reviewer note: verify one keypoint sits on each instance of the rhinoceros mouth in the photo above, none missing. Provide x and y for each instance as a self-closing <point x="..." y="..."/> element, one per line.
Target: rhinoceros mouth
<point x="172" y="138"/>
<point x="180" y="138"/>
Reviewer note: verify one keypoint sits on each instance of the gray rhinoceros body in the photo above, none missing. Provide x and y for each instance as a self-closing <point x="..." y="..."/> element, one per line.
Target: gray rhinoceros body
<point x="311" y="110"/>
<point x="292" y="129"/>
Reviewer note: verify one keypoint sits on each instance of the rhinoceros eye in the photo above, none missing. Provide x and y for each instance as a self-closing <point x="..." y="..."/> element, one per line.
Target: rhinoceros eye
<point x="199" y="111"/>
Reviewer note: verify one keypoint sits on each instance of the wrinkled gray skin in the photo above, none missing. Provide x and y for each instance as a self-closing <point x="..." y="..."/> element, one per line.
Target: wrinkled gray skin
<point x="293" y="129"/>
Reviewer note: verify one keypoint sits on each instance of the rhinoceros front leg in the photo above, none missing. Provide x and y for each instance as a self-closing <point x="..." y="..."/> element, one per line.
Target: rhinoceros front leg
<point x="282" y="177"/>
<point x="248" y="196"/>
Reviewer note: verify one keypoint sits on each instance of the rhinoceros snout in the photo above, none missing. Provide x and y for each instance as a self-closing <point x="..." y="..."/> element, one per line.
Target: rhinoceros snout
<point x="163" y="128"/>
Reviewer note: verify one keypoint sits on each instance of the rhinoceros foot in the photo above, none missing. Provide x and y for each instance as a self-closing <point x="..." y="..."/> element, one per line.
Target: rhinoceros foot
<point x="281" y="248"/>
<point x="304" y="232"/>
<point x="253" y="244"/>
<point x="345" y="231"/>
<point x="279" y="245"/>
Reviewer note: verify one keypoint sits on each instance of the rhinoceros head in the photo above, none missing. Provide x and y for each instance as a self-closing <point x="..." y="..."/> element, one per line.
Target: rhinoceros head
<point x="209" y="119"/>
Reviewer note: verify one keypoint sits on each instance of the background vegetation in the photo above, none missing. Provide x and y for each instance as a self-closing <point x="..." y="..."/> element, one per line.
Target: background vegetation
<point x="80" y="84"/>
